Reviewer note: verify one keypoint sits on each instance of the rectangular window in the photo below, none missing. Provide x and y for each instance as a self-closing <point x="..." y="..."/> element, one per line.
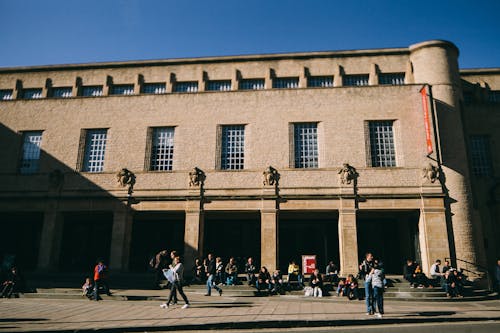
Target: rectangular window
<point x="480" y="155"/>
<point x="95" y="147"/>
<point x="122" y="89"/>
<point x="285" y="82"/>
<point x="162" y="149"/>
<point x="494" y="96"/>
<point x="62" y="92"/>
<point x="32" y="93"/>
<point x="219" y="85"/>
<point x="233" y="147"/>
<point x="5" y="94"/>
<point x="320" y="81"/>
<point x="305" y="140"/>
<point x="154" y="88"/>
<point x="186" y="87"/>
<point x="252" y="84"/>
<point x="92" y="91"/>
<point x="355" y="80"/>
<point x="391" y="78"/>
<point x="382" y="149"/>
<point x="30" y="158"/>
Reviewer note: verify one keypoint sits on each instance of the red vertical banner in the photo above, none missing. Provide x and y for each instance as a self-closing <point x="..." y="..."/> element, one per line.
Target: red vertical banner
<point x="308" y="264"/>
<point x="427" y="122"/>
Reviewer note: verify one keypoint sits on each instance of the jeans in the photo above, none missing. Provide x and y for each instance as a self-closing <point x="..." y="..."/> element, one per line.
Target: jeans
<point x="97" y="285"/>
<point x="369" y="297"/>
<point x="378" y="294"/>
<point x="173" y="292"/>
<point x="260" y="285"/>
<point x="210" y="284"/>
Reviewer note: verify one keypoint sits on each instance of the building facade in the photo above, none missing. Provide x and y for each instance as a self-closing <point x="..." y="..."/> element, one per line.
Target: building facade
<point x="332" y="154"/>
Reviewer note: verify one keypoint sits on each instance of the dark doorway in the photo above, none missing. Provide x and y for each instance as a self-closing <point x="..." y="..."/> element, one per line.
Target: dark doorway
<point x="153" y="232"/>
<point x="311" y="233"/>
<point x="20" y="239"/>
<point x="233" y="234"/>
<point x="391" y="236"/>
<point x="86" y="237"/>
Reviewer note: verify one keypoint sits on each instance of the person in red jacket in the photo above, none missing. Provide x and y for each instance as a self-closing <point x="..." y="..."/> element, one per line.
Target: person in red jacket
<point x="100" y="279"/>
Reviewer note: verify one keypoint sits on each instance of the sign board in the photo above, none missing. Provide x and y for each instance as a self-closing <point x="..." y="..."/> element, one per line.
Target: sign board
<point x="427" y="122"/>
<point x="308" y="263"/>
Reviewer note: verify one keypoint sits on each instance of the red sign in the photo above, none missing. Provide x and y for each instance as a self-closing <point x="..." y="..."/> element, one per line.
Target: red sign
<point x="427" y="122"/>
<point x="308" y="264"/>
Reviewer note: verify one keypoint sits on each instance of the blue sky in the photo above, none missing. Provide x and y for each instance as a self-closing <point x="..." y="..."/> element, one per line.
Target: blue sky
<point x="36" y="32"/>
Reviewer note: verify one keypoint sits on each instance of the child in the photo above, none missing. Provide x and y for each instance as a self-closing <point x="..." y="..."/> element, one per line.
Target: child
<point x="87" y="288"/>
<point x="352" y="290"/>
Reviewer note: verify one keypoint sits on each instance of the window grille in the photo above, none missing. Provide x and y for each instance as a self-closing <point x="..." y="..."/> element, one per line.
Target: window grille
<point x="220" y="85"/>
<point x="62" y="92"/>
<point x="154" y="88"/>
<point x="480" y="155"/>
<point x="252" y="84"/>
<point x="306" y="145"/>
<point x="122" y="89"/>
<point x="382" y="149"/>
<point x="285" y="82"/>
<point x="162" y="149"/>
<point x="391" y="78"/>
<point x="233" y="147"/>
<point x="95" y="148"/>
<point x="355" y="80"/>
<point x="5" y="94"/>
<point x="32" y="93"/>
<point x="93" y="91"/>
<point x="30" y="162"/>
<point x="186" y="87"/>
<point x="320" y="81"/>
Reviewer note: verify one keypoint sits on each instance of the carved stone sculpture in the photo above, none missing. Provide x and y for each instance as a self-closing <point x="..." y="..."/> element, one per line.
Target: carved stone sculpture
<point x="430" y="172"/>
<point x="56" y="179"/>
<point x="126" y="178"/>
<point x="196" y="177"/>
<point x="271" y="176"/>
<point x="347" y="174"/>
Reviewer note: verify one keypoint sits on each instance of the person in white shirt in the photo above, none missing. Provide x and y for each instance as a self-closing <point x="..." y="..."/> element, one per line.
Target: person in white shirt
<point x="176" y="285"/>
<point x="436" y="270"/>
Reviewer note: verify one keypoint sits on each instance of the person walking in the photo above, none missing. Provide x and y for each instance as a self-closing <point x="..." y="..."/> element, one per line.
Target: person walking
<point x="176" y="283"/>
<point x="210" y="276"/>
<point x="376" y="279"/>
<point x="364" y="269"/>
<point x="100" y="279"/>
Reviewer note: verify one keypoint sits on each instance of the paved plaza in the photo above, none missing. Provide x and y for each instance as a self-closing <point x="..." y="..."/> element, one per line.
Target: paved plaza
<point x="231" y="313"/>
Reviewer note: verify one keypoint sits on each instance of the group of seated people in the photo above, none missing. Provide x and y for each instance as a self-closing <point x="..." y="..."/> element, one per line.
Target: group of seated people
<point x="448" y="278"/>
<point x="262" y="278"/>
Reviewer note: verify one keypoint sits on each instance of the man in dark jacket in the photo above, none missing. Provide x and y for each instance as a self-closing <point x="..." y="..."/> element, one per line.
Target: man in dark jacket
<point x="250" y="269"/>
<point x="210" y="276"/>
<point x="409" y="272"/>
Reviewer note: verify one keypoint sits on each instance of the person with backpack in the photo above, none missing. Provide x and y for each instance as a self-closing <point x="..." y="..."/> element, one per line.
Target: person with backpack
<point x="177" y="268"/>
<point x="376" y="279"/>
<point x="100" y="279"/>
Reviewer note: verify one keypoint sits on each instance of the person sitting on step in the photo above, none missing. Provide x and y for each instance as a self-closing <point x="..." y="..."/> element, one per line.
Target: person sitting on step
<point x="231" y="272"/>
<point x="264" y="280"/>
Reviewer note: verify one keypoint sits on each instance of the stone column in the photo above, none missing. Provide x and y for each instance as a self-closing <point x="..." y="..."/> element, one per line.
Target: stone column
<point x="269" y="241"/>
<point x="373" y="76"/>
<point x="193" y="237"/>
<point x="348" y="238"/>
<point x="433" y="233"/>
<point x="50" y="240"/>
<point x="121" y="237"/>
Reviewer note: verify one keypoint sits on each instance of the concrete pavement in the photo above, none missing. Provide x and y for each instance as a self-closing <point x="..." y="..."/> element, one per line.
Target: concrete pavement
<point x="216" y="312"/>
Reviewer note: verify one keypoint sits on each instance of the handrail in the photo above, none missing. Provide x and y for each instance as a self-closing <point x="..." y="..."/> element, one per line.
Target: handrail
<point x="479" y="269"/>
